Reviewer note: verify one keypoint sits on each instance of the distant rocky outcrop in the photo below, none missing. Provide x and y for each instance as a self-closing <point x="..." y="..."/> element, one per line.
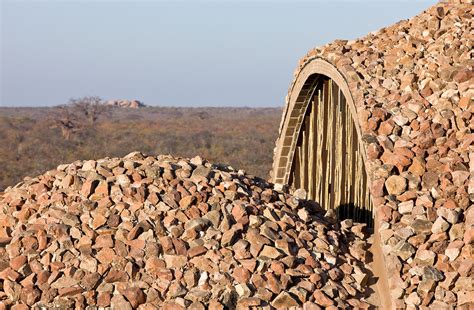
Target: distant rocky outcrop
<point x="122" y="103"/>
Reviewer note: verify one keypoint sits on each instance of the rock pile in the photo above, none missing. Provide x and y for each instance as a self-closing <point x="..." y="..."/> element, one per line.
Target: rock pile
<point x="133" y="104"/>
<point x="160" y="232"/>
<point x="413" y="86"/>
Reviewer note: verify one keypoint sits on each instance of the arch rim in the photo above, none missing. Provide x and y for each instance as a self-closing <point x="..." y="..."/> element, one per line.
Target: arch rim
<point x="284" y="151"/>
<point x="318" y="67"/>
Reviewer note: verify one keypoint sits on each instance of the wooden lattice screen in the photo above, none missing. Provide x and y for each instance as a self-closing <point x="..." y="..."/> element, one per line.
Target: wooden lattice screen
<point x="328" y="162"/>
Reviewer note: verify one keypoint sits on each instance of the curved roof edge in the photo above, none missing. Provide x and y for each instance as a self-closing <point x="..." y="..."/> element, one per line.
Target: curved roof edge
<point x="412" y="84"/>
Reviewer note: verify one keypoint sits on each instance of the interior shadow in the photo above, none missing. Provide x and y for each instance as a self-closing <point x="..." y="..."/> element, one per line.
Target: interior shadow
<point x="355" y="213"/>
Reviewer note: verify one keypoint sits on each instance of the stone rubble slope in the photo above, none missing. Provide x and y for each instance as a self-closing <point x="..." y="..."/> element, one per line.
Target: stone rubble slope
<point x="161" y="232"/>
<point x="413" y="85"/>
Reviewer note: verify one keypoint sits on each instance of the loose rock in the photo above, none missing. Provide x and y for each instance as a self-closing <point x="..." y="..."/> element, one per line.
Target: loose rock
<point x="163" y="243"/>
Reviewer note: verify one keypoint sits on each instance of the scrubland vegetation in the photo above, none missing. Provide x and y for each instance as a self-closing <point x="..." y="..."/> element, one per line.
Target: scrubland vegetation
<point x="33" y="140"/>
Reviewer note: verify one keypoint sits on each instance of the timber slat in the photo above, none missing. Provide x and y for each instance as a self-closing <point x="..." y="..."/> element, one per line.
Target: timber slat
<point x="328" y="161"/>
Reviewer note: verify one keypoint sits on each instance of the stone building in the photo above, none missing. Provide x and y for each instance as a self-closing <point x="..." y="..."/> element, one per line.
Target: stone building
<point x="380" y="130"/>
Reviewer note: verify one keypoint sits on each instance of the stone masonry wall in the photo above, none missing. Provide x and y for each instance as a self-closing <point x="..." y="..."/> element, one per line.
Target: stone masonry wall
<point x="412" y="84"/>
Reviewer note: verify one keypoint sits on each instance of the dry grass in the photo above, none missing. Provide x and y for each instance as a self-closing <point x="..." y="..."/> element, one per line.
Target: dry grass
<point x="243" y="137"/>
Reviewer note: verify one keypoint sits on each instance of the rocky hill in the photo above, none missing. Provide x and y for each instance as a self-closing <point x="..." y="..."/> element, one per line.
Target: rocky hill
<point x="132" y="104"/>
<point x="160" y="232"/>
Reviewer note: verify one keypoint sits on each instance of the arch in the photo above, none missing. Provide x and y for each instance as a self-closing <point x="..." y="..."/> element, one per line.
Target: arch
<point x="320" y="125"/>
<point x="297" y="103"/>
<point x="310" y="77"/>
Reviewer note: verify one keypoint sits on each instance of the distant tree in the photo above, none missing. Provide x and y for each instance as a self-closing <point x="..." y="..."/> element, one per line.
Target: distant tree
<point x="203" y="115"/>
<point x="66" y="120"/>
<point x="77" y="114"/>
<point x="90" y="107"/>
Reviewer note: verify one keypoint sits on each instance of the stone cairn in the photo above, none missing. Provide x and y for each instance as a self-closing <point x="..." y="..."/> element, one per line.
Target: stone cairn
<point x="160" y="232"/>
<point x="412" y="84"/>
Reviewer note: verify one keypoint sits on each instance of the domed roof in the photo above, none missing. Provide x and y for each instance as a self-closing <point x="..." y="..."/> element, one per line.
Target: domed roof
<point x="411" y="86"/>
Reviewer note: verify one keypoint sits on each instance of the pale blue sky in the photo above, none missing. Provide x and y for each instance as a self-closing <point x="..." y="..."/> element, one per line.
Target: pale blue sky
<point x="183" y="53"/>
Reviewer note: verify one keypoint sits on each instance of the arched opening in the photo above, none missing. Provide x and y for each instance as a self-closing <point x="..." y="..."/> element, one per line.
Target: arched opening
<point x="320" y="147"/>
<point x="327" y="160"/>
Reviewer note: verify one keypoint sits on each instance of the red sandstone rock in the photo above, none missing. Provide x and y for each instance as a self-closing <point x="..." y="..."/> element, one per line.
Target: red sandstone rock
<point x="395" y="184"/>
<point x="135" y="296"/>
<point x="249" y="241"/>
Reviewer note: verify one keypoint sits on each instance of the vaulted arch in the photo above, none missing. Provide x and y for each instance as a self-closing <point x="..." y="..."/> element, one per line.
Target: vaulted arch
<point x="320" y="147"/>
